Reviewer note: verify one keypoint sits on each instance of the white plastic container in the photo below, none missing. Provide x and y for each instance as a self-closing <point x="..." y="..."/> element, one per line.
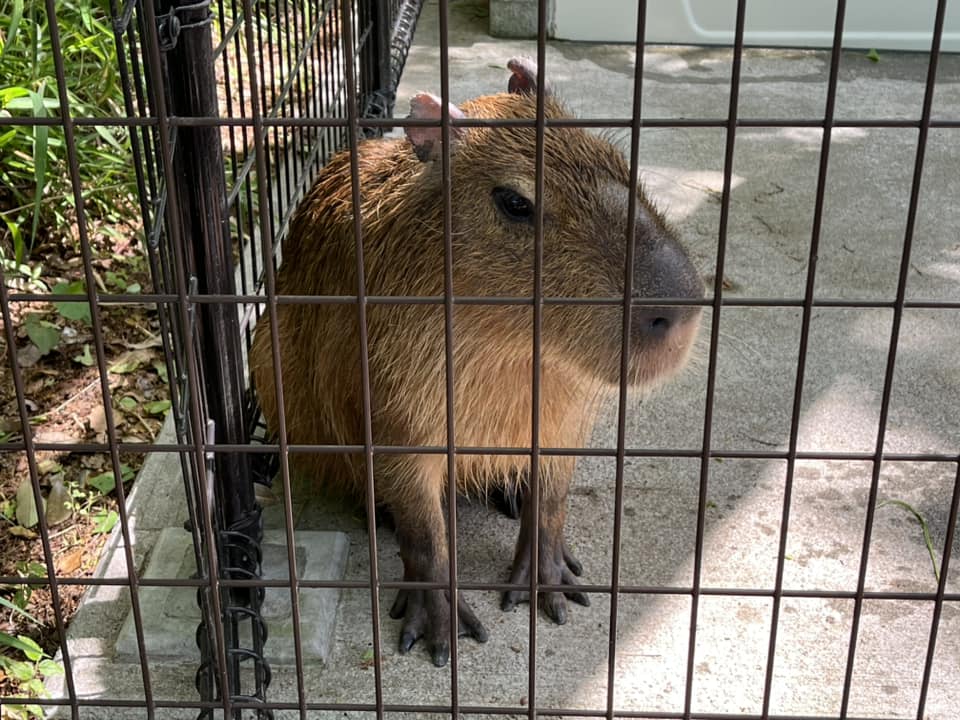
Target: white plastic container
<point x="881" y="24"/>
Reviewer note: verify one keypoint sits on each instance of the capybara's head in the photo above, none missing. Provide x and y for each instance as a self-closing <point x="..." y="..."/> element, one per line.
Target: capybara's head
<point x="585" y="221"/>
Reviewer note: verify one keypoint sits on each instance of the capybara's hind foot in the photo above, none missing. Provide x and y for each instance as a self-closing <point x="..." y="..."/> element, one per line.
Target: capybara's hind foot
<point x="557" y="567"/>
<point x="507" y="500"/>
<point x="426" y="614"/>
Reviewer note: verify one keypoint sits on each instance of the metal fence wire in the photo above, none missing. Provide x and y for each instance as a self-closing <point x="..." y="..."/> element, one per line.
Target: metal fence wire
<point x="233" y="108"/>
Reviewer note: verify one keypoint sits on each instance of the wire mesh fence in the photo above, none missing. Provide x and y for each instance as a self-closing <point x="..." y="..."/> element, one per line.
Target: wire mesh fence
<point x="230" y="112"/>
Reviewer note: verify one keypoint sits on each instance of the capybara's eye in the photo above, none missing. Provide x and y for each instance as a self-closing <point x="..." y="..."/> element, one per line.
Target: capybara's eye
<point x="514" y="206"/>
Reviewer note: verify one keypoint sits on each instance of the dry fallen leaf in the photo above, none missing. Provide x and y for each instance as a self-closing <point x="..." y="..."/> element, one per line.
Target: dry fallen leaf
<point x="54" y="437"/>
<point x="58" y="502"/>
<point x="26" y="512"/>
<point x="131" y="361"/>
<point x="97" y="420"/>
<point x="70" y="561"/>
<point x="46" y="467"/>
<point x="152" y="342"/>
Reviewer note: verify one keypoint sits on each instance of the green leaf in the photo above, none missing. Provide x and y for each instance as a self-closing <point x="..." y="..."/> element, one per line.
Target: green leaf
<point x="127" y="365"/>
<point x="50" y="668"/>
<point x="9" y="94"/>
<point x="161" y="368"/>
<point x="85" y="17"/>
<point x="40" y="135"/>
<point x="923" y="526"/>
<point x="26" y="507"/>
<point x="19" y="250"/>
<point x="84" y="358"/>
<point x="28" y="568"/>
<point x="33" y="651"/>
<point x="157" y="407"/>
<point x="104" y="522"/>
<point x="24" y="103"/>
<point x="16" y="15"/>
<point x="18" y="669"/>
<point x="45" y="335"/>
<point x="108" y="137"/>
<point x="34" y="686"/>
<point x="11" y="606"/>
<point x="873" y="55"/>
<point x="134" y="288"/>
<point x="128" y="403"/>
<point x="25" y="645"/>
<point x="104" y="482"/>
<point x="72" y="310"/>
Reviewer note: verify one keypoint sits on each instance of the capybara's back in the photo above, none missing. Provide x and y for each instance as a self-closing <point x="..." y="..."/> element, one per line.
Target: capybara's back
<point x="492" y="195"/>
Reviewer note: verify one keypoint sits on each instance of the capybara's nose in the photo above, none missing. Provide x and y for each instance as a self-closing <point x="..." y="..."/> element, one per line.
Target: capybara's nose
<point x="670" y="275"/>
<point x="655" y="323"/>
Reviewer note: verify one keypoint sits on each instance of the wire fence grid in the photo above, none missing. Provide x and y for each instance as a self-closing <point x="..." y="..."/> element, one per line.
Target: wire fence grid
<point x="233" y="108"/>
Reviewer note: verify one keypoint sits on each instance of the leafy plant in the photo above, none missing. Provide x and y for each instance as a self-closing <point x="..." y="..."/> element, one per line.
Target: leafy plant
<point x="927" y="540"/>
<point x="72" y="310"/>
<point x="42" y="333"/>
<point x="37" y="195"/>
<point x="106" y="482"/>
<point x="22" y="593"/>
<point x="104" y="521"/>
<point x="21" y="276"/>
<point x="27" y="674"/>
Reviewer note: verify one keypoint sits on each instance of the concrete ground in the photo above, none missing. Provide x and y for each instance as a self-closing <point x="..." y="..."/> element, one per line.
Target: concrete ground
<point x="774" y="181"/>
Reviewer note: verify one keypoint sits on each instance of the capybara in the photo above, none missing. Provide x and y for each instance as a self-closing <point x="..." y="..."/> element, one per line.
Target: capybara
<point x="585" y="199"/>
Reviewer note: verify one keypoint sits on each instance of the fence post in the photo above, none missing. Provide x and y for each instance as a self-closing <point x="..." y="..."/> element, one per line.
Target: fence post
<point x="198" y="165"/>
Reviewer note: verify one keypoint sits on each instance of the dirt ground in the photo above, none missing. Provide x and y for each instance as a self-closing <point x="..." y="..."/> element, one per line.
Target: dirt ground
<point x="65" y="406"/>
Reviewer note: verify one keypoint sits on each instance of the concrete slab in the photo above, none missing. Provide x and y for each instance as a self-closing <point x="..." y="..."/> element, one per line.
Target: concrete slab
<point x="170" y="614"/>
<point x="771" y="211"/>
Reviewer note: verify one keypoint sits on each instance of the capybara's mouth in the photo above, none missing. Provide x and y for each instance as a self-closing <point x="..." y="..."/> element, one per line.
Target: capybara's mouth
<point x="657" y="357"/>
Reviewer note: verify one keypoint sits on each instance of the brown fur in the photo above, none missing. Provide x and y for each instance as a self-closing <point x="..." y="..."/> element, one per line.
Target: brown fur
<point x="585" y="200"/>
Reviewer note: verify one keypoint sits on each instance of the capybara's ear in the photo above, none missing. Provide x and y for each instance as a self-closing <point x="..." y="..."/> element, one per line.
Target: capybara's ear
<point x="524" y="78"/>
<point x="426" y="139"/>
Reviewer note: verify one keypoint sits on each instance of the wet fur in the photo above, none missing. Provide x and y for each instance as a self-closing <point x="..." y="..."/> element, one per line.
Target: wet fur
<point x="401" y="210"/>
<point x="403" y="255"/>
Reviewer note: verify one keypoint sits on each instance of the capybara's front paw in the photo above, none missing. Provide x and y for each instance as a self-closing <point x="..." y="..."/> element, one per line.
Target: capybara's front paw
<point x="556" y="567"/>
<point x="426" y="614"/>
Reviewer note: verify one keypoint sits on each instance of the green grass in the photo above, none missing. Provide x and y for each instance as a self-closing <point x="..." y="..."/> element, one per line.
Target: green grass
<point x="36" y="196"/>
<point x="927" y="540"/>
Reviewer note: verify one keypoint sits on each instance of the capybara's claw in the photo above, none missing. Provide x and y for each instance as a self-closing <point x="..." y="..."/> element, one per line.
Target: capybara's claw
<point x="555" y="606"/>
<point x="470" y="625"/>
<point x="426" y="614"/>
<point x="572" y="563"/>
<point x="512" y="598"/>
<point x="557" y="567"/>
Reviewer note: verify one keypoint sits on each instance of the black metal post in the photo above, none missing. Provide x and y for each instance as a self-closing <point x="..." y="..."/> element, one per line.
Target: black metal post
<point x="198" y="165"/>
<point x="203" y="223"/>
